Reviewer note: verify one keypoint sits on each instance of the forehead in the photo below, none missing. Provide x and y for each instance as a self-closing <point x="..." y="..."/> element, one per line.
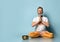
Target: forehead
<point x="39" y="9"/>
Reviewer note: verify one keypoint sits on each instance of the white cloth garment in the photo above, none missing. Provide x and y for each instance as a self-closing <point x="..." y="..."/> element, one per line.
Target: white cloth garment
<point x="40" y="27"/>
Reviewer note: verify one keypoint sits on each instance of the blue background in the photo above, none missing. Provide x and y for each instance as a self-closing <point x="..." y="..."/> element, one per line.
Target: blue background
<point x="16" y="17"/>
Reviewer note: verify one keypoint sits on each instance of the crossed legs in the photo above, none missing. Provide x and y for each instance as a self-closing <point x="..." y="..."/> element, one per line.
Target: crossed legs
<point x="44" y="34"/>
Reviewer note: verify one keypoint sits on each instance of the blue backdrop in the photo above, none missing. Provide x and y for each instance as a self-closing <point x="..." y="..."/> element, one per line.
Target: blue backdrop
<point x="16" y="17"/>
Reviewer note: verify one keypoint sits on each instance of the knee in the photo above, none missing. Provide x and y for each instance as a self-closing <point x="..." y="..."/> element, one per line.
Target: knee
<point x="48" y="35"/>
<point x="31" y="34"/>
<point x="34" y="34"/>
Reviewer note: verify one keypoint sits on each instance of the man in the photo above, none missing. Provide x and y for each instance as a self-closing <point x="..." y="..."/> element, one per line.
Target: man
<point x="41" y="22"/>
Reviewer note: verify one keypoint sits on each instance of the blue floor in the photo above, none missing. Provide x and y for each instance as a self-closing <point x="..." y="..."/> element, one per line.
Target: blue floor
<point x="42" y="40"/>
<point x="55" y="39"/>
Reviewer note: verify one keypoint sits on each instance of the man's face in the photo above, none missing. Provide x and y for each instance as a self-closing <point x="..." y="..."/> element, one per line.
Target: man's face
<point x="40" y="11"/>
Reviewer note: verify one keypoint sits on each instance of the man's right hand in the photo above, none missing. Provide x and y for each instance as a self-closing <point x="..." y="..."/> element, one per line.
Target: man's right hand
<point x="36" y="23"/>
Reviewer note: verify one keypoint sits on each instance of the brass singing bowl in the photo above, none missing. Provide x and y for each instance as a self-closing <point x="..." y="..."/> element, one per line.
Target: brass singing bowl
<point x="25" y="37"/>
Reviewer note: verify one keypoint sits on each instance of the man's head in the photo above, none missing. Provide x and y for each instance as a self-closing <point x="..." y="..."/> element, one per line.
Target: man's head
<point x="40" y="10"/>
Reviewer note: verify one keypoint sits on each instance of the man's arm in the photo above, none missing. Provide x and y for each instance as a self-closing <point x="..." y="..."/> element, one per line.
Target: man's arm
<point x="46" y="23"/>
<point x="34" y="24"/>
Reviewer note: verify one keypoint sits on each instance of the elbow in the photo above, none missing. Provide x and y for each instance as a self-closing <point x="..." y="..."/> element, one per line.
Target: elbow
<point x="47" y="25"/>
<point x="32" y="25"/>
